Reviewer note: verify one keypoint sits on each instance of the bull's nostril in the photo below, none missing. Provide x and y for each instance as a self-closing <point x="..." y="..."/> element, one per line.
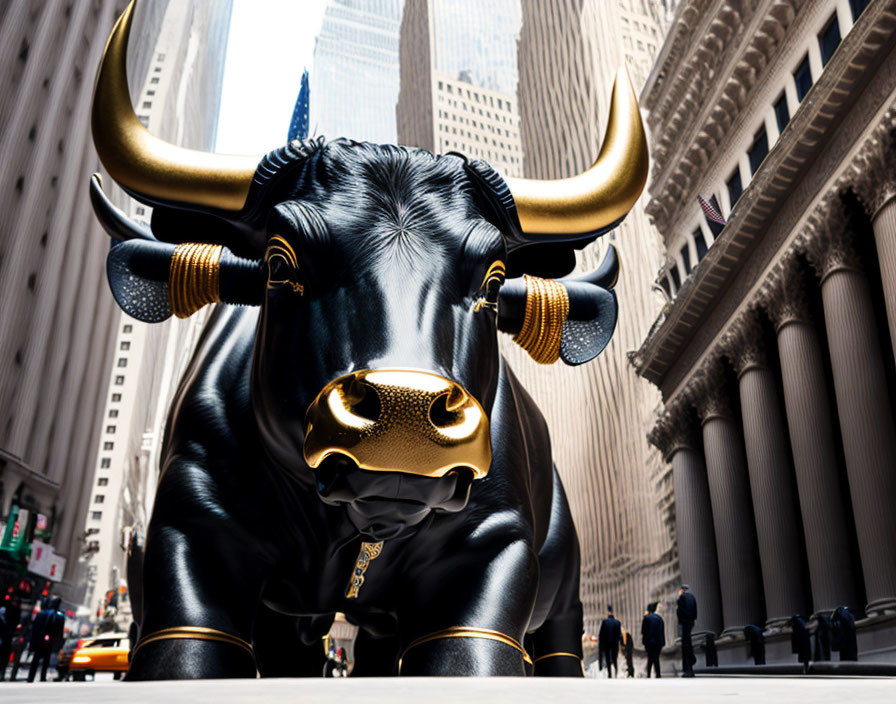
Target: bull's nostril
<point x="456" y="399"/>
<point x="440" y="412"/>
<point x="364" y="401"/>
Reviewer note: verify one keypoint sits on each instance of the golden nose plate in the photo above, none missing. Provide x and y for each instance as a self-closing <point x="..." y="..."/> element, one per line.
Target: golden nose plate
<point x="417" y="422"/>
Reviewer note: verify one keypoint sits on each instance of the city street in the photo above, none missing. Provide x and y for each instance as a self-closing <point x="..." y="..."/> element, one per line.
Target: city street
<point x="468" y="691"/>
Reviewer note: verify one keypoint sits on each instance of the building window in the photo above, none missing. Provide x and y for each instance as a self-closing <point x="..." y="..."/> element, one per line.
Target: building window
<point x="108" y="445"/>
<point x="105" y="463"/>
<point x="127" y="328"/>
<point x="139" y="210"/>
<point x="116" y="398"/>
<point x="113" y="413"/>
<point x="700" y="242"/>
<point x="686" y="258"/>
<point x="144" y="120"/>
<point x="119" y="380"/>
<point x="150" y="92"/>
<point x="102" y="481"/>
<point x="110" y="430"/>
<point x="98" y="499"/>
<point x="676" y="279"/>
<point x="829" y="39"/>
<point x="154" y="79"/>
<point x="122" y="361"/>
<point x="96" y="516"/>
<point x="803" y="78"/>
<point x="782" y="114"/>
<point x="759" y="150"/>
<point x="857" y="7"/>
<point x="147" y="105"/>
<point x="160" y="57"/>
<point x="124" y="346"/>
<point x="157" y="69"/>
<point x="735" y="187"/>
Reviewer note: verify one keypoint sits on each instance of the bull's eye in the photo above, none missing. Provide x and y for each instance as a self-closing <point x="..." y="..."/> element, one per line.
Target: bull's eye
<point x="283" y="265"/>
<point x="487" y="296"/>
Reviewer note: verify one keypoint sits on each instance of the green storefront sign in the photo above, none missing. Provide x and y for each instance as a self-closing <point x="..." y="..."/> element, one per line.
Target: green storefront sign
<point x="15" y="537"/>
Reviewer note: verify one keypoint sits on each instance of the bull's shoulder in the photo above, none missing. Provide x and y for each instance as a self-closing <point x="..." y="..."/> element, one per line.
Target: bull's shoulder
<point x="516" y="399"/>
<point x="211" y="410"/>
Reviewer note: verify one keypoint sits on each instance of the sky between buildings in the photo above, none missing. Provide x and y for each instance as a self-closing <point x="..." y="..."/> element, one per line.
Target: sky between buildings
<point x="270" y="42"/>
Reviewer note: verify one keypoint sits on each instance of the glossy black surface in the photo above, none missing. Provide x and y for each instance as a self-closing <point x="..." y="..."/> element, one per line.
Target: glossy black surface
<point x="392" y="246"/>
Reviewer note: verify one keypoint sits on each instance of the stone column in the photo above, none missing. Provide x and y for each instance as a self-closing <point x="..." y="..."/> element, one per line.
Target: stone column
<point x="677" y="439"/>
<point x="866" y="416"/>
<point x="822" y="505"/>
<point x="740" y="578"/>
<point x="771" y="483"/>
<point x="875" y="184"/>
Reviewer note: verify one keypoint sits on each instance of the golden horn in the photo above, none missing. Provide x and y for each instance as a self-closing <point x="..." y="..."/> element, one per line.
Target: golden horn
<point x="600" y="196"/>
<point x="146" y="164"/>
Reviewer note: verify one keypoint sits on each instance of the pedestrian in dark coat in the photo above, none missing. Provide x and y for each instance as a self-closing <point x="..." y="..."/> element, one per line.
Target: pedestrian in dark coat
<point x="9" y="619"/>
<point x="47" y="634"/>
<point x="653" y="637"/>
<point x="608" y="638"/>
<point x="628" y="650"/>
<point x="757" y="643"/>
<point x="687" y="616"/>
<point x="799" y="639"/>
<point x="823" y="638"/>
<point x="709" y="647"/>
<point x="844" y="627"/>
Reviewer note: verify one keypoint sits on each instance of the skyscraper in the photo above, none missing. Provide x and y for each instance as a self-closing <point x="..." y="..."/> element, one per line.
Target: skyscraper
<point x="599" y="414"/>
<point x="177" y="100"/>
<point x="458" y="80"/>
<point x="354" y="80"/>
<point x="57" y="320"/>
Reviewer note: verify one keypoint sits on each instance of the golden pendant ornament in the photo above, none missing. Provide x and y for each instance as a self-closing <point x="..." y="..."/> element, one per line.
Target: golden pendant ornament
<point x="369" y="552"/>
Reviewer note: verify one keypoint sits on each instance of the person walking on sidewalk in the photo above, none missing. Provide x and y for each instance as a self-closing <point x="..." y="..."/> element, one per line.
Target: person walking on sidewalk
<point x="687" y="616"/>
<point x="608" y="638"/>
<point x="653" y="637"/>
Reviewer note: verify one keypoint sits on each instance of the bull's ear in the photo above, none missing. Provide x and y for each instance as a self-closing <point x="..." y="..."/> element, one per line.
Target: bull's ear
<point x="140" y="275"/>
<point x="589" y="323"/>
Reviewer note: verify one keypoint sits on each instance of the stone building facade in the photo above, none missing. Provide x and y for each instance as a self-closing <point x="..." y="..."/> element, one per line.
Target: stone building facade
<point x="458" y="80"/>
<point x="57" y="321"/>
<point x="178" y="99"/>
<point x="774" y="355"/>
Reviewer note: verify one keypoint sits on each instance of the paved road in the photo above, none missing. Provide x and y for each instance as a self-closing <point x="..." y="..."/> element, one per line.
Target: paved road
<point x="464" y="691"/>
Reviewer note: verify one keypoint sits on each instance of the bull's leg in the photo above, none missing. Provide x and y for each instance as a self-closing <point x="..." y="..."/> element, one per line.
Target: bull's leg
<point x="202" y="580"/>
<point x="279" y="649"/>
<point x="557" y="644"/>
<point x="468" y="616"/>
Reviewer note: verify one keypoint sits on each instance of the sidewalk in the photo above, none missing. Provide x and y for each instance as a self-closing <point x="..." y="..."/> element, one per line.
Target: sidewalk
<point x="463" y="691"/>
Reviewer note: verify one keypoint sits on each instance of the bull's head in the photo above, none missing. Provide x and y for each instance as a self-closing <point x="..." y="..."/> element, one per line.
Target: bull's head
<point x="379" y="271"/>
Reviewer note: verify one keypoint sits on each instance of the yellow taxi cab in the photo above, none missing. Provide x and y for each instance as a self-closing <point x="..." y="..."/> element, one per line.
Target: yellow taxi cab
<point x="107" y="652"/>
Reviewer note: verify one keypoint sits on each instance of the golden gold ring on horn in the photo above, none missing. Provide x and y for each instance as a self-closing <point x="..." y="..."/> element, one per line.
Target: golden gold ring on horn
<point x="547" y="307"/>
<point x="194" y="277"/>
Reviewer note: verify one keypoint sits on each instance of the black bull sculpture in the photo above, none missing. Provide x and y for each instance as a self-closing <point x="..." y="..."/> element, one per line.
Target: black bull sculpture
<point x="347" y="437"/>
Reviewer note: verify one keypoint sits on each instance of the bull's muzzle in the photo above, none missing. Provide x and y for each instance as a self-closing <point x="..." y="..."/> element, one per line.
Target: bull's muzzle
<point x="397" y="420"/>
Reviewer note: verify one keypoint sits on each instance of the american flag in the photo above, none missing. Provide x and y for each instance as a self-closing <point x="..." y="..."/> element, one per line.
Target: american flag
<point x="711" y="212"/>
<point x="298" y="126"/>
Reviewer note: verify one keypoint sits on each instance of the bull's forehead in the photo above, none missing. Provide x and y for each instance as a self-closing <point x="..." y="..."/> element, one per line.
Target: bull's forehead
<point x="397" y="195"/>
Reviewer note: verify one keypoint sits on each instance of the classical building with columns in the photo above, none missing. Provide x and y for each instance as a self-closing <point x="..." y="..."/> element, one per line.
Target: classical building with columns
<point x="774" y="353"/>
